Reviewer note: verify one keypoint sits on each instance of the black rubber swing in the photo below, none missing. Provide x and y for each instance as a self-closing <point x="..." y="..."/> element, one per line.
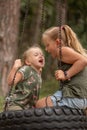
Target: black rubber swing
<point x="48" y="118"/>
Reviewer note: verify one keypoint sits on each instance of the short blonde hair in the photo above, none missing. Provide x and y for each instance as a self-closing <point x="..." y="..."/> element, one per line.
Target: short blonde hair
<point x="68" y="37"/>
<point x="26" y="54"/>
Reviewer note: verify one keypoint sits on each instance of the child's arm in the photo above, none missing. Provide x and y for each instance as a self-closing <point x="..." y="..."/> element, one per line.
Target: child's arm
<point x="18" y="77"/>
<point x="78" y="61"/>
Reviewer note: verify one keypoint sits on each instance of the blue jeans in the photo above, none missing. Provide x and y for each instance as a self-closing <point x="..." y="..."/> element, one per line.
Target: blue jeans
<point x="79" y="103"/>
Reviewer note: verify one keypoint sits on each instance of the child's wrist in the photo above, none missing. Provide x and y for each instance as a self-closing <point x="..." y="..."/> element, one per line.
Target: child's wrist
<point x="15" y="68"/>
<point x="66" y="76"/>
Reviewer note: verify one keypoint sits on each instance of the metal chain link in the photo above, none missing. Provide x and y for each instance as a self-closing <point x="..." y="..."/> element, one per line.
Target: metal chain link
<point x="59" y="22"/>
<point x="42" y="22"/>
<point x="8" y="97"/>
<point x="59" y="31"/>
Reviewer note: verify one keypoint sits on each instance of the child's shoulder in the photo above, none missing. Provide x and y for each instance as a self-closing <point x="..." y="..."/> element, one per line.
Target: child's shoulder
<point x="25" y="68"/>
<point x="66" y="50"/>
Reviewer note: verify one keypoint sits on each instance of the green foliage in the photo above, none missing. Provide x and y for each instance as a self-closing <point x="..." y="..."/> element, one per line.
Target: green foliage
<point x="49" y="87"/>
<point x="77" y="18"/>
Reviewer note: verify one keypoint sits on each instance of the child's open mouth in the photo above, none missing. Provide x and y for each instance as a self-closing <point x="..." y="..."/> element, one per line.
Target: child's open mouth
<point x="41" y="60"/>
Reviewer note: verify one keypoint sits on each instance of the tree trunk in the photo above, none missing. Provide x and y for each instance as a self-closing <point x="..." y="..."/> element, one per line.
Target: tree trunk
<point x="37" y="25"/>
<point x="9" y="23"/>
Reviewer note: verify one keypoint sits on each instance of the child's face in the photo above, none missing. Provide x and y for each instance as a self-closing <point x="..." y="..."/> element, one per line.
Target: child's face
<point x="50" y="46"/>
<point x="36" y="58"/>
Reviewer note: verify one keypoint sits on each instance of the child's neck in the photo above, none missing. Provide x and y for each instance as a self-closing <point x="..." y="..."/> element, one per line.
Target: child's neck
<point x="37" y="70"/>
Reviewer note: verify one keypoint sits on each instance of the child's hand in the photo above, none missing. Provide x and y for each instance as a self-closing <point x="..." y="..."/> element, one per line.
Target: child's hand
<point x="17" y="63"/>
<point x="59" y="75"/>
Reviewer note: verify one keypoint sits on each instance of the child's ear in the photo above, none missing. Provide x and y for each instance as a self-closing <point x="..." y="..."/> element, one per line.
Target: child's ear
<point x="57" y="41"/>
<point x="27" y="62"/>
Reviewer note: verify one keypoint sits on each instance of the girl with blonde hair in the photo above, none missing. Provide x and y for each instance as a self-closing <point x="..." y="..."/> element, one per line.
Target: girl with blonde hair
<point x="73" y="71"/>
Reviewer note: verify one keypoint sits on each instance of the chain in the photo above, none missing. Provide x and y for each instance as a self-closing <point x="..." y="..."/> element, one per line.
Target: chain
<point x="8" y="97"/>
<point x="59" y="22"/>
<point x="59" y="32"/>
<point x="42" y="22"/>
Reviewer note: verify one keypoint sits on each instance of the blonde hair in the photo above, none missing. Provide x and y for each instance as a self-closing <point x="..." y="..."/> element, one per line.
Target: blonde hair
<point x="26" y="54"/>
<point x="68" y="37"/>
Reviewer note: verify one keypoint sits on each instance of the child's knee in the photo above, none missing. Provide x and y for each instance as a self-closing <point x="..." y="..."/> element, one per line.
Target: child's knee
<point x="41" y="103"/>
<point x="44" y="102"/>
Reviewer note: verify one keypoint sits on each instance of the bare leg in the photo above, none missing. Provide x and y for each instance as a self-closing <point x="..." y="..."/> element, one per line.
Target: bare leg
<point x="43" y="102"/>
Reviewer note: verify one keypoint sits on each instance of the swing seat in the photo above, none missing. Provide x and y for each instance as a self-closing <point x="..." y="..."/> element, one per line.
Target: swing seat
<point x="85" y="111"/>
<point x="48" y="118"/>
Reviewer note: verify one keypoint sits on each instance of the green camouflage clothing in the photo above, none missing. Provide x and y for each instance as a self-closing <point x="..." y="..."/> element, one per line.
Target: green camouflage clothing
<point x="26" y="92"/>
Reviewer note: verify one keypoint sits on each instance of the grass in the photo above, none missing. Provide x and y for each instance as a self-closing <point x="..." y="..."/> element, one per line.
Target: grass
<point x="48" y="88"/>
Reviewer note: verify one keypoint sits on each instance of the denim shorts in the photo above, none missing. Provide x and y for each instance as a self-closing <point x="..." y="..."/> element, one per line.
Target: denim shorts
<point x="78" y="103"/>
